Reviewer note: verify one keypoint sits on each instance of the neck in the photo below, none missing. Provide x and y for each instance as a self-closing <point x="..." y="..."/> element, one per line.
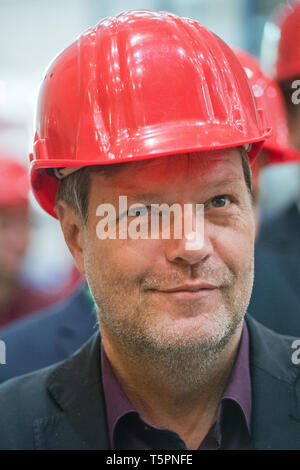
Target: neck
<point x="182" y="395"/>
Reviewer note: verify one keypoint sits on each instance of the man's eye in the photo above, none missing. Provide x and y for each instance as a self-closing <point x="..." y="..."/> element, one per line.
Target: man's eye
<point x="220" y="201"/>
<point x="136" y="211"/>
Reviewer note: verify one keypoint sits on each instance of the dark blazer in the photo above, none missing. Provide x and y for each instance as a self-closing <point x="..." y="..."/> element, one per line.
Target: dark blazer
<point x="62" y="406"/>
<point x="48" y="336"/>
<point x="275" y="300"/>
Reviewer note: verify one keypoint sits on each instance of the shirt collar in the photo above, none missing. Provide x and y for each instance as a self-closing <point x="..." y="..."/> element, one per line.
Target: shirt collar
<point x="239" y="384"/>
<point x="117" y="402"/>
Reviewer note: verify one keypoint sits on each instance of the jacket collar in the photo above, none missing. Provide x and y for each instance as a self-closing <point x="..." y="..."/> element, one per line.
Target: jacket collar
<point x="76" y="387"/>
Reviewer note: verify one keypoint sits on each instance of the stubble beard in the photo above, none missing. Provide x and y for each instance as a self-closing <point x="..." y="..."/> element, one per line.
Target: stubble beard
<point x="186" y="365"/>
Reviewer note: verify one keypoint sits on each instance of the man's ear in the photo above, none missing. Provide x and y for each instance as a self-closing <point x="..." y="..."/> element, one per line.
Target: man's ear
<point x="72" y="227"/>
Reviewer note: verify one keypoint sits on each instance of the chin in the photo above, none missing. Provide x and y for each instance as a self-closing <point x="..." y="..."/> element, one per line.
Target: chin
<point x="193" y="332"/>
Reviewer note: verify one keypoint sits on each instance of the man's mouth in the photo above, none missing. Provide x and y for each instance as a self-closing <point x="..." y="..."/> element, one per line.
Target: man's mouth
<point x="189" y="291"/>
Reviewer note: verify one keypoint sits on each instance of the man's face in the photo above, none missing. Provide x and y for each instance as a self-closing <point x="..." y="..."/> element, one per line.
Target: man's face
<point x="14" y="238"/>
<point x="131" y="279"/>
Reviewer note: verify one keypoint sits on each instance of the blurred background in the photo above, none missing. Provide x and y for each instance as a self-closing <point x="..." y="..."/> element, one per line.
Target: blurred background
<point x="33" y="32"/>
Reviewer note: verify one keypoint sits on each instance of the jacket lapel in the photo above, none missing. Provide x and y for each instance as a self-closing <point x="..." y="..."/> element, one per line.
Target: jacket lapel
<point x="275" y="390"/>
<point x="76" y="387"/>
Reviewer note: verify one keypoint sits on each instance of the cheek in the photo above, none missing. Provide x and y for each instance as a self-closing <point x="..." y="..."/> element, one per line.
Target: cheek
<point x="117" y="261"/>
<point x="234" y="244"/>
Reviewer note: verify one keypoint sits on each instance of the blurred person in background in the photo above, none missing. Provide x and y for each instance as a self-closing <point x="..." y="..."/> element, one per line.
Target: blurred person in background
<point x="273" y="302"/>
<point x="288" y="66"/>
<point x="50" y="335"/>
<point x="281" y="234"/>
<point x="54" y="331"/>
<point x="17" y="299"/>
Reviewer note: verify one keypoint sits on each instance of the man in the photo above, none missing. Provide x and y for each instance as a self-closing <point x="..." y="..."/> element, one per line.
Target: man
<point x="176" y="366"/>
<point x="17" y="299"/>
<point x="282" y="233"/>
<point x="272" y="295"/>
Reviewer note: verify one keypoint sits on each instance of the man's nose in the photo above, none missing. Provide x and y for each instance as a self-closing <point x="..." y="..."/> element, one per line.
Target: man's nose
<point x="193" y="247"/>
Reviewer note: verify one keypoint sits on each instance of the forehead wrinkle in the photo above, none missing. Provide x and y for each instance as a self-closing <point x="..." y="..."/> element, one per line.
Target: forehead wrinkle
<point x="165" y="168"/>
<point x="171" y="164"/>
<point x="144" y="196"/>
<point x="186" y="162"/>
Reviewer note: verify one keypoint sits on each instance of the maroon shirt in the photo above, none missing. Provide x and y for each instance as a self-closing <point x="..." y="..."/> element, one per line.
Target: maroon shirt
<point x="232" y="430"/>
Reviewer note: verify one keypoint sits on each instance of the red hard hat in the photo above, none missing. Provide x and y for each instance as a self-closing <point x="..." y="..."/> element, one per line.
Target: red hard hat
<point x="14" y="183"/>
<point x="140" y="85"/>
<point x="268" y="97"/>
<point x="288" y="60"/>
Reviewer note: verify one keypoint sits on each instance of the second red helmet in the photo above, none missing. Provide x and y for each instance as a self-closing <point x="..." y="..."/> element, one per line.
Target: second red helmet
<point x="268" y="97"/>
